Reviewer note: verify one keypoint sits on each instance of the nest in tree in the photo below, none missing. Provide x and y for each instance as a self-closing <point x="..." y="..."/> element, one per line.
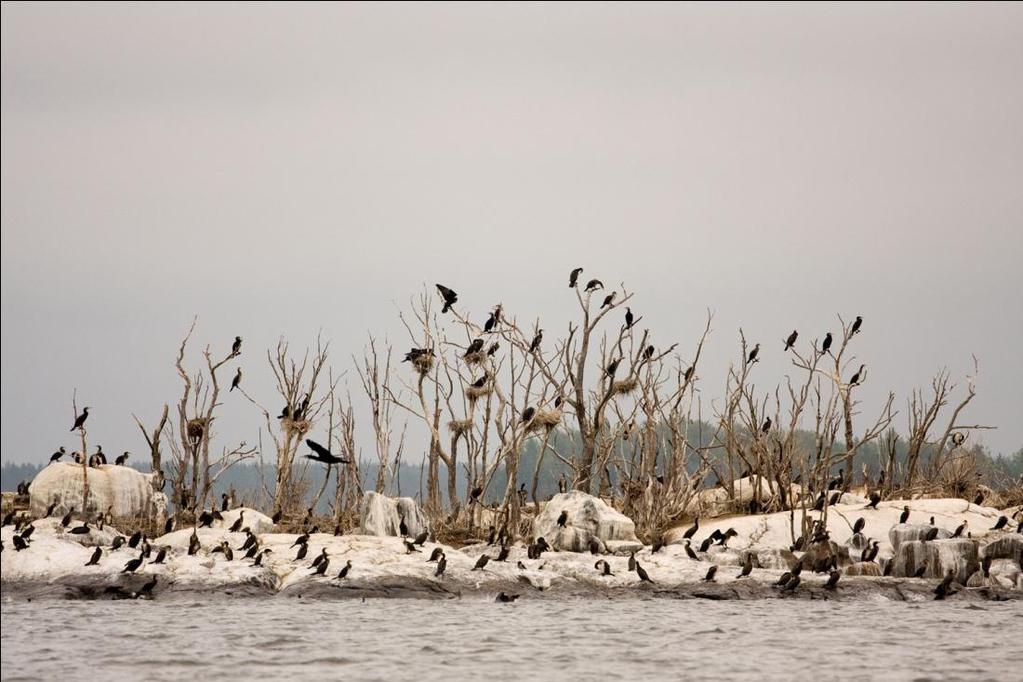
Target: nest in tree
<point x="423" y="363"/>
<point x="475" y="358"/>
<point x="544" y="420"/>
<point x="196" y="427"/>
<point x="300" y="425"/>
<point x="475" y="393"/>
<point x="459" y="426"/>
<point x="624" y="386"/>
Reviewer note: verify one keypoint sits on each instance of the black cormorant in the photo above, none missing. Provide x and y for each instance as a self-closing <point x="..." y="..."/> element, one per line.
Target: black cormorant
<point x="481" y="562"/>
<point x="449" y="296"/>
<point x="791" y="341"/>
<point x="80" y="419"/>
<point x="97" y="554"/>
<point x="573" y="277"/>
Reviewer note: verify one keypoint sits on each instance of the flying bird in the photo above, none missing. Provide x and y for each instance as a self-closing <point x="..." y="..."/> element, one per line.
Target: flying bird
<point x="449" y="296"/>
<point x="322" y="454"/>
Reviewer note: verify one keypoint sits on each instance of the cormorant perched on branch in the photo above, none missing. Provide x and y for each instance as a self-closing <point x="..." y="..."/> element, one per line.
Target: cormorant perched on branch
<point x="415" y="353"/>
<point x="493" y="348"/>
<point x="322" y="454"/>
<point x="753" y="355"/>
<point x="527" y="414"/>
<point x="475" y="347"/>
<point x="857" y="378"/>
<point x="875" y="497"/>
<point x="612" y="367"/>
<point x="767" y="426"/>
<point x="563" y="519"/>
<point x="609" y="299"/>
<point x="55" y="457"/>
<point x="236" y="347"/>
<point x="481" y="382"/>
<point x="573" y="278"/>
<point x="629" y="319"/>
<point x="689" y="372"/>
<point x="594" y="284"/>
<point x="237" y="379"/>
<point x="80" y="419"/>
<point x="449" y="296"/>
<point x="537" y="340"/>
<point x="856" y="326"/>
<point x="826" y="345"/>
<point x="791" y="341"/>
<point x="493" y="320"/>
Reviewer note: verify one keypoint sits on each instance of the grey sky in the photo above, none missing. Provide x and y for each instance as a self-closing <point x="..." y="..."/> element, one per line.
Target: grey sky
<point x="281" y="170"/>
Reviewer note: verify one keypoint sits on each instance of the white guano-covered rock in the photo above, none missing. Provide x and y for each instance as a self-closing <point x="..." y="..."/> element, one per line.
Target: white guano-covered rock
<point x="125" y="491"/>
<point x="589" y="518"/>
<point x="381" y="515"/>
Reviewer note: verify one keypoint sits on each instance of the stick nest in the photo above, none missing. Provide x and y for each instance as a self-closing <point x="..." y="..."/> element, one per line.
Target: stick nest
<point x="475" y="358"/>
<point x="624" y="386"/>
<point x="459" y="426"/>
<point x="300" y="425"/>
<point x="423" y="363"/>
<point x="545" y="419"/>
<point x="473" y="393"/>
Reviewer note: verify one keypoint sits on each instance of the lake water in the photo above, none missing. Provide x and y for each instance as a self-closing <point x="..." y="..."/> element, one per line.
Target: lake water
<point x="659" y="639"/>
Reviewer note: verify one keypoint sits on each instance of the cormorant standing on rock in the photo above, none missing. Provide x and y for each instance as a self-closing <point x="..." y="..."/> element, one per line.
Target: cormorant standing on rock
<point x="302" y="539"/>
<point x="147" y="589"/>
<point x="259" y="557"/>
<point x="136" y="537"/>
<point x="481" y="563"/>
<point x="228" y="552"/>
<point x="67" y="518"/>
<point x="1001" y="523"/>
<point x="747" y="566"/>
<point x="442" y="565"/>
<point x="55" y="457"/>
<point x="942" y="590"/>
<point x="121" y="459"/>
<point x="437" y="553"/>
<point x="959" y="529"/>
<point x="161" y="555"/>
<point x="344" y="570"/>
<point x="832" y="579"/>
<point x="321" y="568"/>
<point x="82" y="529"/>
<point x="449" y="296"/>
<point x="858" y="526"/>
<point x="237" y="525"/>
<point x="705" y="545"/>
<point x="133" y="565"/>
<point x="27" y="533"/>
<point x="643" y="576"/>
<point x="563" y="518"/>
<point x="562" y="483"/>
<point x="632" y="561"/>
<point x="168" y="527"/>
<point x="402" y="527"/>
<point x="193" y="544"/>
<point x="521" y="566"/>
<point x="692" y="529"/>
<point x="97" y="554"/>
<point x="709" y="578"/>
<point x="792" y="584"/>
<point x="905" y="514"/>
<point x="80" y="419"/>
<point x="573" y="277"/>
<point x="689" y="551"/>
<point x="932" y="534"/>
<point x="20" y="543"/>
<point x="409" y="547"/>
<point x="604" y="567"/>
<point x="320" y="558"/>
<point x="117" y="543"/>
<point x="421" y="538"/>
<point x="503" y="554"/>
<point x="919" y="573"/>
<point x="302" y="550"/>
<point x="506" y="598"/>
<point x="875" y="497"/>
<point x="791" y="341"/>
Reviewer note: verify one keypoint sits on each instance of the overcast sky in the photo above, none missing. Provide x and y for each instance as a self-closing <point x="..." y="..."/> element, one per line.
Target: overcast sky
<point x="291" y="169"/>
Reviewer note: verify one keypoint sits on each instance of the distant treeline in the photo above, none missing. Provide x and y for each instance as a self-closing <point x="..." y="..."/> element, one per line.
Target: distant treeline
<point x="245" y="480"/>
